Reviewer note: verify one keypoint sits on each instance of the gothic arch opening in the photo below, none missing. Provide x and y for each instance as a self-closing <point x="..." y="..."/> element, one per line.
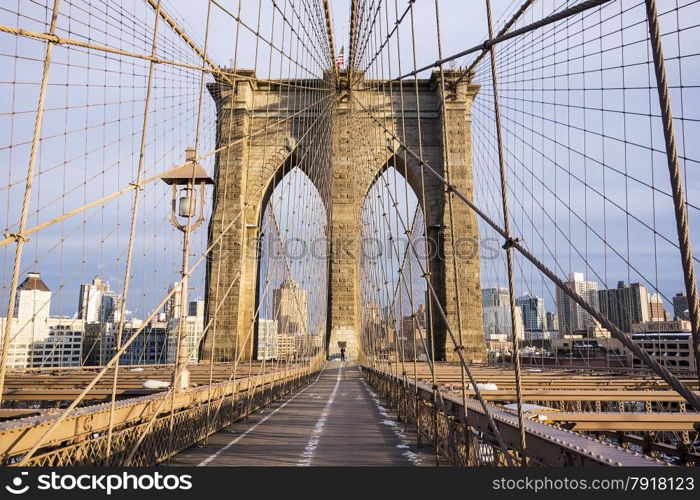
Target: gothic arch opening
<point x="407" y="170"/>
<point x="292" y="270"/>
<point x="392" y="263"/>
<point x="295" y="161"/>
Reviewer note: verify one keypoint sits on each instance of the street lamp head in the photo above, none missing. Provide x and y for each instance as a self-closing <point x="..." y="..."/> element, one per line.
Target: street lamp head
<point x="189" y="173"/>
<point x="189" y="176"/>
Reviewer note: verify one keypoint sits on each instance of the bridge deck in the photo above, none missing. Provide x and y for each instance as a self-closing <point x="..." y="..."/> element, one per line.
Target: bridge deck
<point x="335" y="421"/>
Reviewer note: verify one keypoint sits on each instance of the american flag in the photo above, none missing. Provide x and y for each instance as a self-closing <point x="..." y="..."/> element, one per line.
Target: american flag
<point x="340" y="59"/>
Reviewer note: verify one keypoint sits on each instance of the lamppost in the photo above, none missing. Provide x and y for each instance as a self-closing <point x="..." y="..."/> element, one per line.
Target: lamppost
<point x="188" y="206"/>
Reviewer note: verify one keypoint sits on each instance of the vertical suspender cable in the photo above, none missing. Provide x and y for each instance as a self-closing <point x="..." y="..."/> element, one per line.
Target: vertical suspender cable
<point x="508" y="247"/>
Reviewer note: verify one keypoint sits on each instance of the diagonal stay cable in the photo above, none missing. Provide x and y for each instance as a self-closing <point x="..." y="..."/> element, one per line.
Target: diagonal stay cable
<point x="571" y="11"/>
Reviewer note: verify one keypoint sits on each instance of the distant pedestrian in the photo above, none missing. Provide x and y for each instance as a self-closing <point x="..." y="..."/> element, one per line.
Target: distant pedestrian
<point x="342" y="354"/>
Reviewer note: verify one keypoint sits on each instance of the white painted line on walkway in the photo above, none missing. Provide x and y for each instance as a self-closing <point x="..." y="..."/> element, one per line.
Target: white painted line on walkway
<point x="305" y="460"/>
<point x="386" y="420"/>
<point x="208" y="460"/>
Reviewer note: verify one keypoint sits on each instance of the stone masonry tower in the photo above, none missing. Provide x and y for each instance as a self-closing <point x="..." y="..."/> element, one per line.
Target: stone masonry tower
<point x="357" y="148"/>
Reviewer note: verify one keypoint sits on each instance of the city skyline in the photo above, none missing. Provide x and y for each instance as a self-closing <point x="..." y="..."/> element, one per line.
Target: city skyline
<point x="624" y="306"/>
<point x="677" y="304"/>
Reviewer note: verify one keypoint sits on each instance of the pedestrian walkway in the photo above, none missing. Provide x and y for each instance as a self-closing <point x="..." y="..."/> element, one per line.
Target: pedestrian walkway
<point x="335" y="421"/>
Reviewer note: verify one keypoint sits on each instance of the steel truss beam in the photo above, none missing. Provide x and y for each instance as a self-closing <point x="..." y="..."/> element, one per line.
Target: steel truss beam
<point x="547" y="445"/>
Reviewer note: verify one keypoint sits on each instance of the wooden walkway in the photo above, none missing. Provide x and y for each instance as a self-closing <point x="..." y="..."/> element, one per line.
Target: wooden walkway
<point x="335" y="421"/>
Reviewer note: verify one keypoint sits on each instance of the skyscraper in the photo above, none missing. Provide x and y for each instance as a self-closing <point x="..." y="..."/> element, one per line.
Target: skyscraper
<point x="413" y="334"/>
<point x="572" y="317"/>
<point x="90" y="300"/>
<point x="497" y="323"/>
<point x="30" y="322"/>
<point x="196" y="308"/>
<point x="656" y="308"/>
<point x="33" y="300"/>
<point x="496" y="315"/>
<point x="110" y="310"/>
<point x="267" y="339"/>
<point x="193" y="330"/>
<point x="680" y="306"/>
<point x="39" y="340"/>
<point x="491" y="297"/>
<point x="173" y="304"/>
<point x="97" y="303"/>
<point x="625" y="305"/>
<point x="289" y="308"/>
<point x="532" y="308"/>
<point x="552" y="321"/>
